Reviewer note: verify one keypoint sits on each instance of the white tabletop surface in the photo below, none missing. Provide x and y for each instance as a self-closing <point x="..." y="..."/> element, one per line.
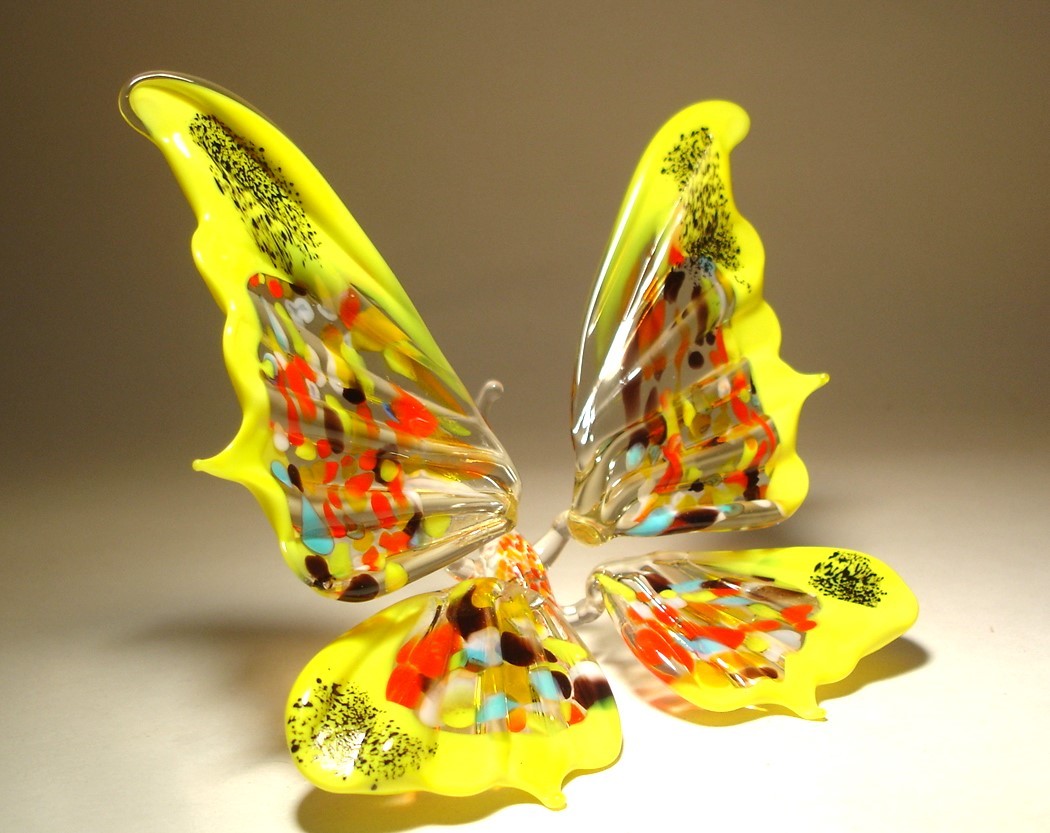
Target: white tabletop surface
<point x="152" y="633"/>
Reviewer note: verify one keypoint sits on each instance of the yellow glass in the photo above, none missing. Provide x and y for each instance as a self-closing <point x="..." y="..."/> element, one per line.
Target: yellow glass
<point x="375" y="467"/>
<point x="684" y="415"/>
<point x="358" y="439"/>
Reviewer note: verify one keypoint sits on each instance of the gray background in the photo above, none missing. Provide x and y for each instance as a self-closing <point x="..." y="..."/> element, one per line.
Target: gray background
<point x="897" y="172"/>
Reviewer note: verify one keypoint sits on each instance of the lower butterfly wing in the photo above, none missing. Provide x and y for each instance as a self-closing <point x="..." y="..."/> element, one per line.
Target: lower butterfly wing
<point x="358" y="439"/>
<point x="455" y="693"/>
<point x="757" y="627"/>
<point x="684" y="415"/>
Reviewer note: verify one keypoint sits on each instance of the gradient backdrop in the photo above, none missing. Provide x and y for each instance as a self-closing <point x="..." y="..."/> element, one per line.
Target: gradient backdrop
<point x="897" y="171"/>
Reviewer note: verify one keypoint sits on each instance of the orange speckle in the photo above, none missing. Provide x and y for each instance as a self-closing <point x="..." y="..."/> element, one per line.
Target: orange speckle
<point x="737" y="478"/>
<point x="796" y="613"/>
<point x="406" y="649"/>
<point x="381" y="509"/>
<point x="370" y="558"/>
<point x="741" y="412"/>
<point x="297" y="373"/>
<point x="349" y="307"/>
<point x="672" y="452"/>
<point x="430" y="656"/>
<point x="651" y="326"/>
<point x="404" y="686"/>
<point x="730" y="637"/>
<point x="397" y="491"/>
<point x="576" y="714"/>
<point x="657" y="650"/>
<point x="412" y="416"/>
<point x="719" y="355"/>
<point x="357" y="485"/>
<point x="337" y="529"/>
<point x="394" y="542"/>
<point x="516" y="720"/>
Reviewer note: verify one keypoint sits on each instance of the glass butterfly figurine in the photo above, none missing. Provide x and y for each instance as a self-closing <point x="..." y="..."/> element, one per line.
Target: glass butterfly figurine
<point x="376" y="467"/>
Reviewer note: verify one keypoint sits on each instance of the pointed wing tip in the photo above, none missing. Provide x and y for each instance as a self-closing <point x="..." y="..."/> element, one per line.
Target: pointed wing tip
<point x="809" y="383"/>
<point x="172" y="80"/>
<point x="734" y="115"/>
<point x="809" y="710"/>
<point x="216" y="466"/>
<point x="127" y="109"/>
<point x="553" y="800"/>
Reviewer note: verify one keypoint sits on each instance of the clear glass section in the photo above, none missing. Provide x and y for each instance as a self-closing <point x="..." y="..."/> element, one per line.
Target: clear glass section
<point x="359" y="440"/>
<point x="684" y="416"/>
<point x="728" y="630"/>
<point x="481" y="686"/>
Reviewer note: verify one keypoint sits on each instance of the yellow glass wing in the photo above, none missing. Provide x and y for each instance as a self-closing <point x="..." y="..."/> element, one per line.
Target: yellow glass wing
<point x="732" y="629"/>
<point x="684" y="415"/>
<point x="482" y="686"/>
<point x="361" y="444"/>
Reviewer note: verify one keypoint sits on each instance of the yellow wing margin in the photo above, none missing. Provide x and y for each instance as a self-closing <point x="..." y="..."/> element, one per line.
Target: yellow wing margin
<point x="357" y="437"/>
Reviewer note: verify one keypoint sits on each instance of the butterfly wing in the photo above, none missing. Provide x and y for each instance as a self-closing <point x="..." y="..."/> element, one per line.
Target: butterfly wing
<point x="684" y="415"/>
<point x="733" y="629"/>
<point x="360" y="442"/>
<point x="483" y="686"/>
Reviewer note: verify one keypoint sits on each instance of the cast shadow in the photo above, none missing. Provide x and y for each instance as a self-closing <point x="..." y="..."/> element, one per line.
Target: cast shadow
<point x="256" y="662"/>
<point x="250" y="663"/>
<point x="322" y="812"/>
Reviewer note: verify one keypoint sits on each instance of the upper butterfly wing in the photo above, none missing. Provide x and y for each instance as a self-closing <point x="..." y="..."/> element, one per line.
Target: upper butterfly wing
<point x="684" y="415"/>
<point x="358" y="439"/>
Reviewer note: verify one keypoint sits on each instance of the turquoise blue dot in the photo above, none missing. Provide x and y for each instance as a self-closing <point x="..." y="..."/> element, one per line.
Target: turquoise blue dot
<point x="543" y="684"/>
<point x="707" y="646"/>
<point x="496" y="707"/>
<point x="281" y="473"/>
<point x="656" y="523"/>
<point x="316" y="534"/>
<point x="635" y="455"/>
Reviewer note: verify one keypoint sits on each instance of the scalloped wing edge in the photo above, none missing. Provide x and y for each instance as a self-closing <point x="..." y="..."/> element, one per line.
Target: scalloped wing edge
<point x="641" y="233"/>
<point x="863" y="606"/>
<point x="160" y="105"/>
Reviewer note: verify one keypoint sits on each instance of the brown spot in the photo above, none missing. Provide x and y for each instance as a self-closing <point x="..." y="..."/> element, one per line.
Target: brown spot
<point x="699" y="518"/>
<point x="587" y="691"/>
<point x="517" y="650"/>
<point x="361" y="588"/>
<point x="317" y="567"/>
